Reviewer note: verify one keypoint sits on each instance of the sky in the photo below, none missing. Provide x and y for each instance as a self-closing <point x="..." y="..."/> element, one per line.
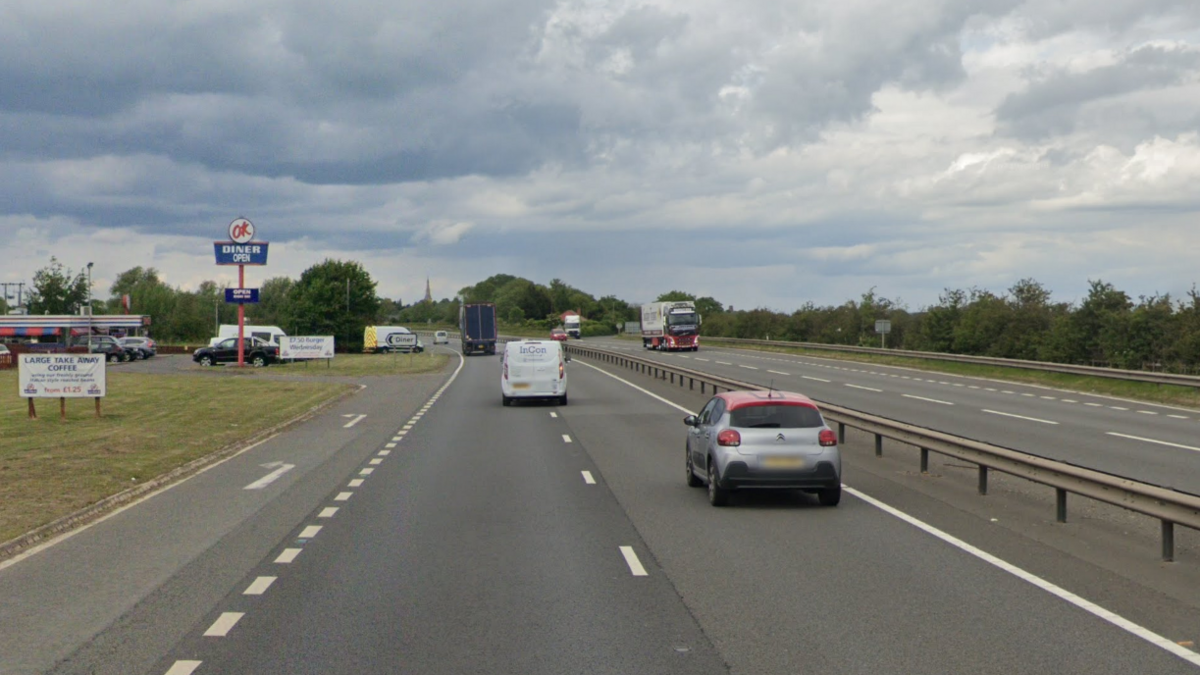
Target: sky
<point x="766" y="154"/>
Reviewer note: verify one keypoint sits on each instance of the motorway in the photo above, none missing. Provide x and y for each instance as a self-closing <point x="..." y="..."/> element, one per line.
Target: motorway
<point x="1151" y="443"/>
<point x="444" y="533"/>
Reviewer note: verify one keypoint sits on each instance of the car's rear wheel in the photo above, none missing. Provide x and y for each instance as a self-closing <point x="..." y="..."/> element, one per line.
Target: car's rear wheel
<point x="505" y="400"/>
<point x="205" y="361"/>
<point x="717" y="495"/>
<point x="830" y="496"/>
<point x="692" y="479"/>
<point x="112" y="358"/>
<point x="258" y="361"/>
<point x="562" y="400"/>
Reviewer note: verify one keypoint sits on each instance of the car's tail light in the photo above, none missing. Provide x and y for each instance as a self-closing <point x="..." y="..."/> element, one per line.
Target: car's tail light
<point x="506" y="370"/>
<point x="827" y="438"/>
<point x="561" y="370"/>
<point x="729" y="437"/>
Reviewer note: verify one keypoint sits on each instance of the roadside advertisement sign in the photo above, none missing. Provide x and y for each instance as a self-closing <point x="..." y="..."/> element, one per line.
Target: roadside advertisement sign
<point x="62" y="376"/>
<point x="241" y="296"/>
<point x="232" y="253"/>
<point x="299" y="347"/>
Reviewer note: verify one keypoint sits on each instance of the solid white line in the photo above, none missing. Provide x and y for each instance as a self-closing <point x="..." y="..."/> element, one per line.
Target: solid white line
<point x="183" y="668"/>
<point x="631" y="559"/>
<point x="777" y="372"/>
<point x="587" y="477"/>
<point x="922" y="398"/>
<point x="859" y="386"/>
<point x="343" y="496"/>
<point x="1151" y="440"/>
<point x="357" y="482"/>
<point x="352" y="422"/>
<point x="328" y="512"/>
<point x="309" y="532"/>
<point x="1020" y="417"/>
<point x="627" y="382"/>
<point x="813" y="378"/>
<point x="223" y="624"/>
<point x="566" y="438"/>
<point x="259" y="586"/>
<point x="288" y="555"/>
<point x="1057" y="591"/>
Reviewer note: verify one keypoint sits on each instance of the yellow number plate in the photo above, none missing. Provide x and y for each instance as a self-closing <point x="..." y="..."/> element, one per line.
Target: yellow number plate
<point x="783" y="462"/>
<point x="520" y="385"/>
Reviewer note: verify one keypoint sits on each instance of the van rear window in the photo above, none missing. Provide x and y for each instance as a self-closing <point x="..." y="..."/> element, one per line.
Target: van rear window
<point x="775" y="417"/>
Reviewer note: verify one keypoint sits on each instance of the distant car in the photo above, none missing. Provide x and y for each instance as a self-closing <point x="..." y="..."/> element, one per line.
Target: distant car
<point x="142" y="348"/>
<point x="110" y="347"/>
<point x="558" y="334"/>
<point x="256" y="352"/>
<point x="441" y="338"/>
<point x="762" y="439"/>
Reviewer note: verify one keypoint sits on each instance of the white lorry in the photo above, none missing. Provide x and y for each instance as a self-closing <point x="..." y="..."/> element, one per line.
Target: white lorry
<point x="571" y="323"/>
<point x="670" y="325"/>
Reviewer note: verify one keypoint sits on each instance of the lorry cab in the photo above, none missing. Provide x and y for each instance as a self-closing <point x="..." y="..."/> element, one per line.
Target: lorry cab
<point x="533" y="369"/>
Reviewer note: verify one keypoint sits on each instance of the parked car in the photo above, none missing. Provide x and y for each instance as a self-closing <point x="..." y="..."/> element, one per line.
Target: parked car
<point x="558" y="334"/>
<point x="441" y="337"/>
<point x="142" y="347"/>
<point x="110" y="347"/>
<point x="257" y="352"/>
<point x="762" y="439"/>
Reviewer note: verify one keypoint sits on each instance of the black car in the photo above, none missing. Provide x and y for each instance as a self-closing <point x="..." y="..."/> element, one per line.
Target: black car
<point x="257" y="353"/>
<point x="110" y="347"/>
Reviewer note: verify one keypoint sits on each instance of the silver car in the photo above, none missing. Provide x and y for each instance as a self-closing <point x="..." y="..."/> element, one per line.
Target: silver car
<point x="762" y="439"/>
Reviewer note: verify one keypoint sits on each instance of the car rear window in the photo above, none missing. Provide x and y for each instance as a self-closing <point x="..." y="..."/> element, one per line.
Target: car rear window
<point x="775" y="417"/>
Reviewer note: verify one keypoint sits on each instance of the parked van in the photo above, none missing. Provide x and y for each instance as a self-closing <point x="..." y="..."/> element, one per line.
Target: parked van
<point x="384" y="339"/>
<point x="270" y="334"/>
<point x="533" y="369"/>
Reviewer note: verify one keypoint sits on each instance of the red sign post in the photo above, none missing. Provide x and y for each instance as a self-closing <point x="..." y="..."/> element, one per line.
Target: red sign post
<point x="241" y="250"/>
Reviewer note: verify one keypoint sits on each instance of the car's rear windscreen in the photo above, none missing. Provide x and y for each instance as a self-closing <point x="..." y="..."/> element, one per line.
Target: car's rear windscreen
<point x="775" y="417"/>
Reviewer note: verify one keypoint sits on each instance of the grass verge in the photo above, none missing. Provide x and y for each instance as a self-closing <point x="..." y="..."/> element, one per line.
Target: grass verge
<point x="152" y="424"/>
<point x="352" y="365"/>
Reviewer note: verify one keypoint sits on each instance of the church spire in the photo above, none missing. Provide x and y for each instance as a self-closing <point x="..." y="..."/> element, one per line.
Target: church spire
<point x="428" y="291"/>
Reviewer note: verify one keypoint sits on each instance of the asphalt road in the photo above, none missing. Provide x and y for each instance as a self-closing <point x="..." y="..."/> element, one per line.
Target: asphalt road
<point x="1152" y="443"/>
<point x="547" y="539"/>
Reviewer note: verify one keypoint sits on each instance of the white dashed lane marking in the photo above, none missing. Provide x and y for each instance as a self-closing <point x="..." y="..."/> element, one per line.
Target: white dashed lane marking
<point x="777" y="372"/>
<point x="310" y="532"/>
<point x="343" y="496"/>
<point x="930" y="400"/>
<point x="566" y="438"/>
<point x="328" y="512"/>
<point x="816" y="379"/>
<point x="223" y="624"/>
<point x="259" y="586"/>
<point x="587" y="477"/>
<point x="859" y="386"/>
<point x="631" y="559"/>
<point x="1020" y="417"/>
<point x="288" y="555"/>
<point x="183" y="668"/>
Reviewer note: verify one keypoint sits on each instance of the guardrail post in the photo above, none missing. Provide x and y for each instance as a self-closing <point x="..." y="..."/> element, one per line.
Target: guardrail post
<point x="691" y="383"/>
<point x="1060" y="499"/>
<point x="1168" y="541"/>
<point x="841" y="432"/>
<point x="879" y="445"/>
<point x="983" y="476"/>
<point x="924" y="460"/>
<point x="702" y="386"/>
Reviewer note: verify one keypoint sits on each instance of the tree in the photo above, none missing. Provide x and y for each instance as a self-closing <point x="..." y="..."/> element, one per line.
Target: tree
<point x="57" y="290"/>
<point x="708" y="306"/>
<point x="675" y="296"/>
<point x="273" y="300"/>
<point x="336" y="298"/>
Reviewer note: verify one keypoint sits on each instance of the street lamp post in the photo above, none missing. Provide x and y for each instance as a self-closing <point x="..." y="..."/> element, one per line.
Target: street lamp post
<point x="89" y="306"/>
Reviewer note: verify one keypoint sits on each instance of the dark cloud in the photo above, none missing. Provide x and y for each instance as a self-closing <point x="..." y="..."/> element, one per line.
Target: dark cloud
<point x="1051" y="105"/>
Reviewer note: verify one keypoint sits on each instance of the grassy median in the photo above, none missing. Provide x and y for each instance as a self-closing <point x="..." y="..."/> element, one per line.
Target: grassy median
<point x="361" y="365"/>
<point x="151" y="424"/>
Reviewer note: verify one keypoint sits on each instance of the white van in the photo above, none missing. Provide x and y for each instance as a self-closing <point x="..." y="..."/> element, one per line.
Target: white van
<point x="533" y="369"/>
<point x="269" y="334"/>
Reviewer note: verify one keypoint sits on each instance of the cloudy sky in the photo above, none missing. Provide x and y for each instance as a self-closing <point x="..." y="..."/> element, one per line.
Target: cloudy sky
<point x="766" y="153"/>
